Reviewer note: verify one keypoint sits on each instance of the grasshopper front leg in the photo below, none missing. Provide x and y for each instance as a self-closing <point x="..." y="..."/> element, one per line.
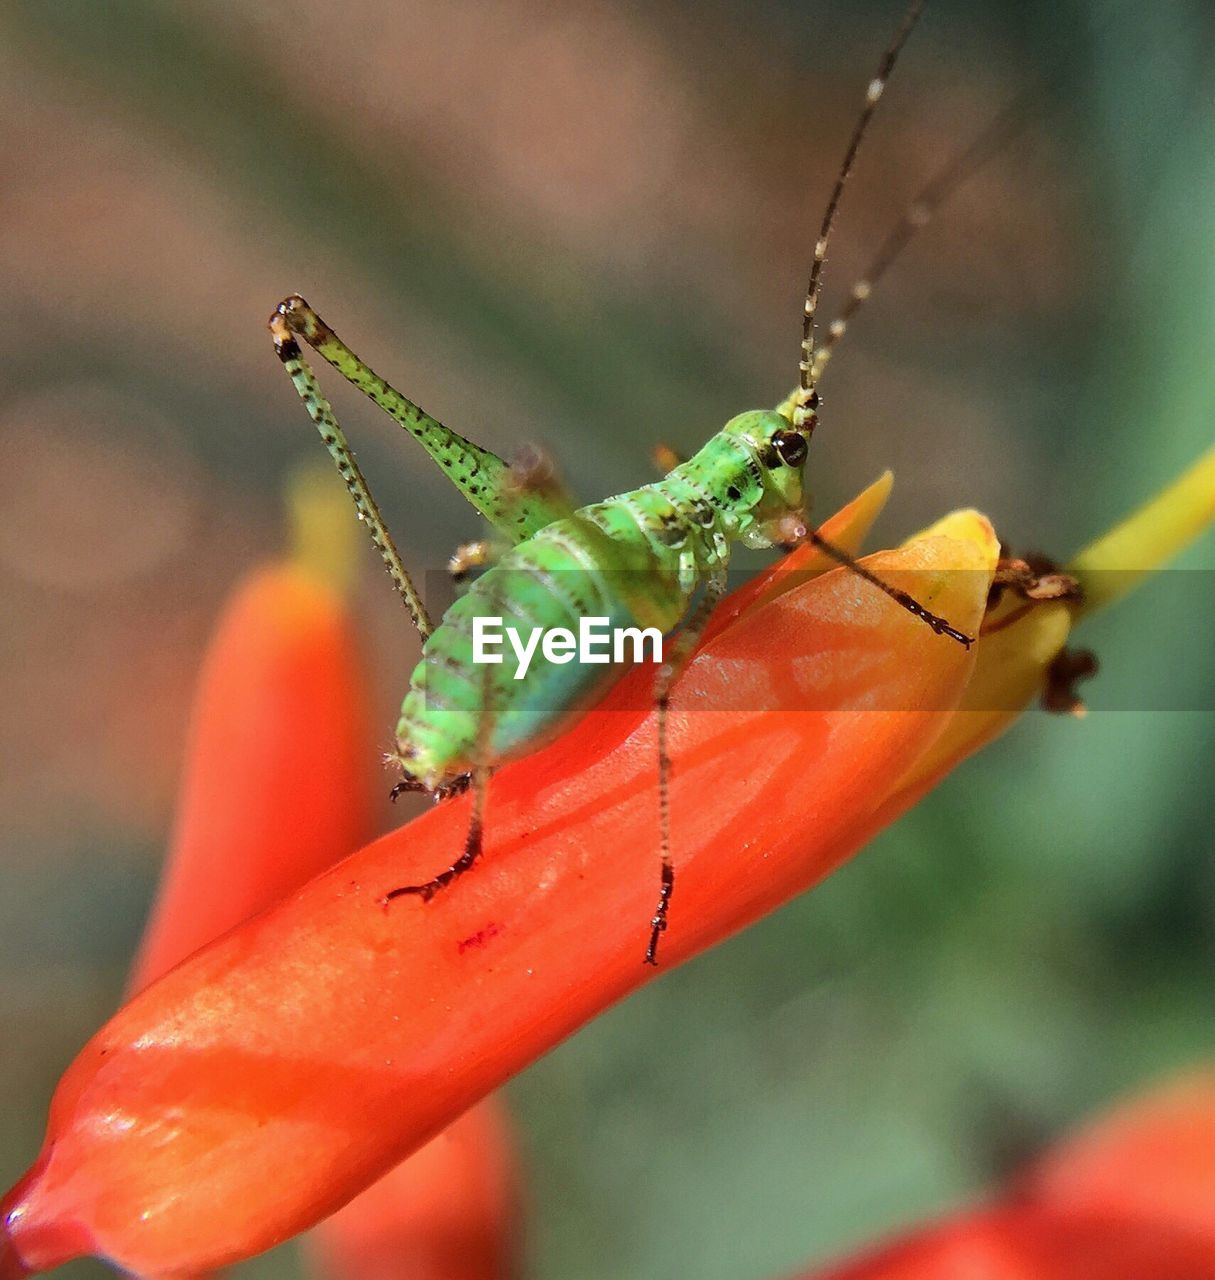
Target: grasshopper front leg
<point x="938" y="624"/>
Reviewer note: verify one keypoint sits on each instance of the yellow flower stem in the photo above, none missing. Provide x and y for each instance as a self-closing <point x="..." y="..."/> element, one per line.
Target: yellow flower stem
<point x="1113" y="565"/>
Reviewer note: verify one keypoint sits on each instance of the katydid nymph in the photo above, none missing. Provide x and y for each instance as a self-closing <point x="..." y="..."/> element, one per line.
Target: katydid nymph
<point x="654" y="557"/>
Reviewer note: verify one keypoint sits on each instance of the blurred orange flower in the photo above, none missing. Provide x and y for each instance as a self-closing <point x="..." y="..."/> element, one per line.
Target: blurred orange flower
<point x="1132" y="1197"/>
<point x="1035" y="1242"/>
<point x="447" y="1212"/>
<point x="1150" y="1159"/>
<point x="276" y="786"/>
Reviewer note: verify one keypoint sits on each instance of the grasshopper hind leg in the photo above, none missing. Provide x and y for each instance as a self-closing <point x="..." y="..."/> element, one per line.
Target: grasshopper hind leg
<point x="478" y="780"/>
<point x="456" y="787"/>
<point x="321" y="412"/>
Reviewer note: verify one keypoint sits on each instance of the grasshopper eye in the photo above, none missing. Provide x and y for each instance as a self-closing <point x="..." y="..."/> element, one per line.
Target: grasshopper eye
<point x="792" y="447"/>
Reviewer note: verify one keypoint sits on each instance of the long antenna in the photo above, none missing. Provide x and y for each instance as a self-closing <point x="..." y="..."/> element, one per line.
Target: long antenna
<point x="918" y="214"/>
<point x="803" y="413"/>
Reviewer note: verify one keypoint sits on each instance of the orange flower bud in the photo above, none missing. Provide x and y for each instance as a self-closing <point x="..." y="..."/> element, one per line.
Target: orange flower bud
<point x="1034" y="1242"/>
<point x="277" y="784"/>
<point x="446" y="1213"/>
<point x="259" y="1085"/>
<point x="1130" y="1197"/>
<point x="1152" y="1158"/>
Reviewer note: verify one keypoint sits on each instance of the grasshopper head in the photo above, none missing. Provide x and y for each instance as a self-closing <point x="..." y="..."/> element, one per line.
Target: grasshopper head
<point x="780" y="449"/>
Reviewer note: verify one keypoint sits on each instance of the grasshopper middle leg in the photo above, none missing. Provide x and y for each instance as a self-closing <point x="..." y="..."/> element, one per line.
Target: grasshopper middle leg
<point x="686" y="643"/>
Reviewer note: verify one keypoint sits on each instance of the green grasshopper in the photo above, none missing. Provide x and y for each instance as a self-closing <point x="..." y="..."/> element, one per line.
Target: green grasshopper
<point x="655" y="556"/>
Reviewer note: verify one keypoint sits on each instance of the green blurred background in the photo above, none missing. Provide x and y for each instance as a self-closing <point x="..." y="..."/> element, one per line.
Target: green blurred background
<point x="588" y="224"/>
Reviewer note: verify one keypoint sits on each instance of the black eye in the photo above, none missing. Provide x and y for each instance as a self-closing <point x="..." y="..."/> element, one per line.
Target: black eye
<point x="792" y="447"/>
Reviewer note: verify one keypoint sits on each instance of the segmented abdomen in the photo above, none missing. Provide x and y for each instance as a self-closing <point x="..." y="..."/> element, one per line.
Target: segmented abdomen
<point x="570" y="570"/>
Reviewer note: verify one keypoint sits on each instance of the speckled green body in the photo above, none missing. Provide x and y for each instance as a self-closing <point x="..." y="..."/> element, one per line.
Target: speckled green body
<point x="636" y="559"/>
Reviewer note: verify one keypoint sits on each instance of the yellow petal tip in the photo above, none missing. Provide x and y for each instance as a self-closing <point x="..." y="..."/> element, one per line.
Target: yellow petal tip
<point x="969" y="527"/>
<point x="324" y="533"/>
